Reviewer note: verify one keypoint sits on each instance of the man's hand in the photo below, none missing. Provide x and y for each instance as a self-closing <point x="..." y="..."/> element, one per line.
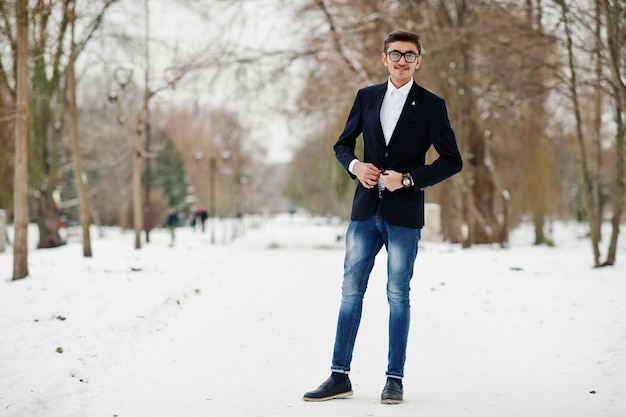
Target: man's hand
<point x="366" y="173"/>
<point x="392" y="180"/>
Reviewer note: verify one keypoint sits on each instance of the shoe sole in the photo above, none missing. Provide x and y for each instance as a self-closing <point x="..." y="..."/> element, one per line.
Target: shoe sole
<point x="330" y="397"/>
<point x="391" y="401"/>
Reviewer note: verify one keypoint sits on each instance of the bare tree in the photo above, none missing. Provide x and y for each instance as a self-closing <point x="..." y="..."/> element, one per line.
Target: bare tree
<point x="48" y="55"/>
<point x="79" y="175"/>
<point x="140" y="131"/>
<point x="616" y="28"/>
<point x="46" y="108"/>
<point x="20" y="247"/>
<point x="587" y="185"/>
<point x="538" y="179"/>
<point x="596" y="89"/>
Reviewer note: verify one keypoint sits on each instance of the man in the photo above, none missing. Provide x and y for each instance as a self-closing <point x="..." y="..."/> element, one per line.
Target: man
<point x="399" y="121"/>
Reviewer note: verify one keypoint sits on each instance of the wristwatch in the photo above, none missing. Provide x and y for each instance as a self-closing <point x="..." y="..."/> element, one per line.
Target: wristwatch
<point x="407" y="181"/>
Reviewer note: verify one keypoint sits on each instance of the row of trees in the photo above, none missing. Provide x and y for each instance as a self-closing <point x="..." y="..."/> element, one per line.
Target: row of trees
<point x="89" y="127"/>
<point x="102" y="120"/>
<point x="535" y="91"/>
<point x="31" y="90"/>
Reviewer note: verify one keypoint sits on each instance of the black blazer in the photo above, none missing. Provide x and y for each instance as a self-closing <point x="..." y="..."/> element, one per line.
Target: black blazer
<point x="422" y="123"/>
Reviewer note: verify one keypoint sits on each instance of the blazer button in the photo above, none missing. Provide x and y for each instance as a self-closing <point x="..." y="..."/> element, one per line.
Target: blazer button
<point x="386" y="154"/>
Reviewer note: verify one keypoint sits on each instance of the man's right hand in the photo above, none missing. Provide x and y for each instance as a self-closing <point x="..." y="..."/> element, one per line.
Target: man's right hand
<point x="366" y="173"/>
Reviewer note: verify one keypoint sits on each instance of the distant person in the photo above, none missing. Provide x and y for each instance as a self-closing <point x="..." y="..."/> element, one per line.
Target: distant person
<point x="399" y="121"/>
<point x="202" y="215"/>
<point x="172" y="223"/>
<point x="192" y="218"/>
<point x="63" y="232"/>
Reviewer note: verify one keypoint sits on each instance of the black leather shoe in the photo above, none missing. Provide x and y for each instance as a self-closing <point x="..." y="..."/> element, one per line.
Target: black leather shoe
<point x="392" y="393"/>
<point x="329" y="390"/>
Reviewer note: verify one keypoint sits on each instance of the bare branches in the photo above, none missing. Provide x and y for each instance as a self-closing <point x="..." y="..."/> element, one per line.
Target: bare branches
<point x="93" y="26"/>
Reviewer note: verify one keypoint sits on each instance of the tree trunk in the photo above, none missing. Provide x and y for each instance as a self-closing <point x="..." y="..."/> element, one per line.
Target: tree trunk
<point x="20" y="242"/>
<point x="620" y="192"/>
<point x="7" y="143"/>
<point x="586" y="184"/>
<point x="596" y="125"/>
<point x="538" y="221"/>
<point x="44" y="106"/>
<point x="616" y="29"/>
<point x="147" y="209"/>
<point x="534" y="153"/>
<point x="484" y="225"/>
<point x="48" y="221"/>
<point x="146" y="218"/>
<point x="137" y="167"/>
<point x="81" y="187"/>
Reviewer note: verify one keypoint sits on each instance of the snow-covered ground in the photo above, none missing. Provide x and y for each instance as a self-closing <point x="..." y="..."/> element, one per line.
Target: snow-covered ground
<point x="244" y="329"/>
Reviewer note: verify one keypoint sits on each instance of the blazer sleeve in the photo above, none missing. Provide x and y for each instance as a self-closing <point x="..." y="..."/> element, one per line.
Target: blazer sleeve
<point x="443" y="140"/>
<point x="346" y="144"/>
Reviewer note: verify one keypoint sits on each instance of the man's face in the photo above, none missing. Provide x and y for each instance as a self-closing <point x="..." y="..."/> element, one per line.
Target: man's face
<point x="402" y="71"/>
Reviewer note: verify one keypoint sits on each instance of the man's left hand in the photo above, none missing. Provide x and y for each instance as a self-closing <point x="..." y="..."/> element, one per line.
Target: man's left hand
<point x="392" y="180"/>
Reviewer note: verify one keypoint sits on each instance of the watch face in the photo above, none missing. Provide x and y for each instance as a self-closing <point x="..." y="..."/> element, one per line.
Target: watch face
<point x="406" y="181"/>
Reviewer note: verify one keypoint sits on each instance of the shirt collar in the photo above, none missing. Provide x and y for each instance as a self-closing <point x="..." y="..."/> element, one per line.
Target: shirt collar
<point x="403" y="91"/>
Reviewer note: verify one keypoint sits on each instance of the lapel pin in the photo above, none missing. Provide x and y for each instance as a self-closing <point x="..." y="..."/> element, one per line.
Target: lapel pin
<point x="413" y="103"/>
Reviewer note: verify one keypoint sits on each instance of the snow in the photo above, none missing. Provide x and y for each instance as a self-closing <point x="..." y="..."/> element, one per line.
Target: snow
<point x="245" y="328"/>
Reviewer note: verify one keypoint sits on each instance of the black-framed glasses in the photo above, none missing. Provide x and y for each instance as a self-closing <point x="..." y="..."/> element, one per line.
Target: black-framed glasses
<point x="409" y="57"/>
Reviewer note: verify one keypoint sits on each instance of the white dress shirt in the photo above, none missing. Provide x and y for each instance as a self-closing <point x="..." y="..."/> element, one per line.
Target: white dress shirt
<point x="392" y="107"/>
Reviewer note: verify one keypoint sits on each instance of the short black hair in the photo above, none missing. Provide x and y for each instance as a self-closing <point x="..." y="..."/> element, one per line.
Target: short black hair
<point x="400" y="35"/>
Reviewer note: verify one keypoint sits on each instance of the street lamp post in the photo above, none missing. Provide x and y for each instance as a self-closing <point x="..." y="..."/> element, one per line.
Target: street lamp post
<point x="142" y="215"/>
<point x="212" y="175"/>
<point x="123" y="76"/>
<point x="223" y="161"/>
<point x="200" y="156"/>
<point x="212" y="212"/>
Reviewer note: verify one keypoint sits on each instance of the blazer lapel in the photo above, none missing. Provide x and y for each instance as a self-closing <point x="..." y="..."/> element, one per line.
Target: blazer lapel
<point x="380" y="96"/>
<point x="409" y="107"/>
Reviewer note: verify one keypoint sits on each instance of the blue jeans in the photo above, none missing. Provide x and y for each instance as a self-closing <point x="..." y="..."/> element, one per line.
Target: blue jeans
<point x="364" y="239"/>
